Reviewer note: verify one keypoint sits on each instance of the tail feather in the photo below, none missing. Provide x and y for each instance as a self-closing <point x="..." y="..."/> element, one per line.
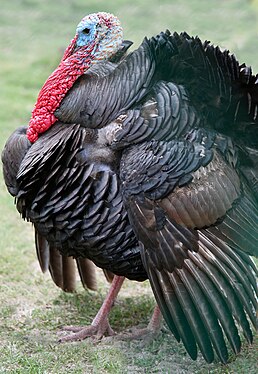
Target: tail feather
<point x="63" y="269"/>
<point x="42" y="250"/>
<point x="68" y="274"/>
<point x="87" y="273"/>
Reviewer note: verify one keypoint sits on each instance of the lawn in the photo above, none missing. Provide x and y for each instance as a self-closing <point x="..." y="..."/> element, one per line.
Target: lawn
<point x="32" y="310"/>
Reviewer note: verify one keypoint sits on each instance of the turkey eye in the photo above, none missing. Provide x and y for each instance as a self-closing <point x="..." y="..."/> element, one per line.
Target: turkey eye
<point x="86" y="31"/>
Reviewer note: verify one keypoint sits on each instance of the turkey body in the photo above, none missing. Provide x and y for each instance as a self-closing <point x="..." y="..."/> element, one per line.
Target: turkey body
<point x="79" y="209"/>
<point x="151" y="172"/>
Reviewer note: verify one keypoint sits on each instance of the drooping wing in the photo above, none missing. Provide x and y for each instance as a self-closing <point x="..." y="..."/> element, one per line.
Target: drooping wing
<point x="175" y="194"/>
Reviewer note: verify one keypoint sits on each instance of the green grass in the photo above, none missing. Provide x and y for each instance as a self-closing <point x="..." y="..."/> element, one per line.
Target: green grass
<point x="32" y="310"/>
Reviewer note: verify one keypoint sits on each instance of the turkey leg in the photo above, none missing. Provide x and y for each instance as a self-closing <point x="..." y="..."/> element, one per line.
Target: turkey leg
<point x="148" y="333"/>
<point x="100" y="325"/>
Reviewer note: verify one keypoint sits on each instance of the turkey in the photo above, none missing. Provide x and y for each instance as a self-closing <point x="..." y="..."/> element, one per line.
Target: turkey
<point x="62" y="268"/>
<point x="147" y="165"/>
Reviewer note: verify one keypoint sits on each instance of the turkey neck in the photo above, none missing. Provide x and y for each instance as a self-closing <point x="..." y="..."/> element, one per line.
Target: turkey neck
<point x="73" y="64"/>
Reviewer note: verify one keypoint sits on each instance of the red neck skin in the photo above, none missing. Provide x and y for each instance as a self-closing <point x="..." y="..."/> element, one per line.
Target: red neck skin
<point x="72" y="66"/>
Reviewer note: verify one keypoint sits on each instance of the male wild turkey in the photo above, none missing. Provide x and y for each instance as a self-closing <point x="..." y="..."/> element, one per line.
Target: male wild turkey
<point x="148" y="167"/>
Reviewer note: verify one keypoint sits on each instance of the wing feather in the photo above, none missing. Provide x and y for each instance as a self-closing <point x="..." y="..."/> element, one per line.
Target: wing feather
<point x="204" y="284"/>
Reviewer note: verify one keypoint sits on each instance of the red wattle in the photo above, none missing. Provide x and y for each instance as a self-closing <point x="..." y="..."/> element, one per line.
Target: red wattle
<point x="72" y="66"/>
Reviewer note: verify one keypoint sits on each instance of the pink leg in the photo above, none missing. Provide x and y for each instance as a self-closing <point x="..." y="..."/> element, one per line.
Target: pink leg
<point x="100" y="325"/>
<point x="155" y="322"/>
<point x="147" y="333"/>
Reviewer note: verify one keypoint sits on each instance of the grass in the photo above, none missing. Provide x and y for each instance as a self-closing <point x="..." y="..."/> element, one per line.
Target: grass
<point x="32" y="309"/>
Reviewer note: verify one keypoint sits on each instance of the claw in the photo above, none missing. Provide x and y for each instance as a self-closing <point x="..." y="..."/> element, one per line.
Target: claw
<point x="80" y="333"/>
<point x="148" y="333"/>
<point x="100" y="326"/>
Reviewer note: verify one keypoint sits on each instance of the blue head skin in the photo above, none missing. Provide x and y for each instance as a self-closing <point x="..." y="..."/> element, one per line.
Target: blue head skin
<point x="97" y="26"/>
<point x="86" y="31"/>
<point x="102" y="33"/>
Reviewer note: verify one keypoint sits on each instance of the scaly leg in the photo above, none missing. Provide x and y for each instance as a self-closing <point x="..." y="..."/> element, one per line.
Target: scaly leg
<point x="148" y="333"/>
<point x="100" y="325"/>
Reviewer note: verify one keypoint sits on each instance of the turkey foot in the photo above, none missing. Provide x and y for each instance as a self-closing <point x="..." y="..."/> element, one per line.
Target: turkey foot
<point x="96" y="331"/>
<point x="148" y="333"/>
<point x="100" y="325"/>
